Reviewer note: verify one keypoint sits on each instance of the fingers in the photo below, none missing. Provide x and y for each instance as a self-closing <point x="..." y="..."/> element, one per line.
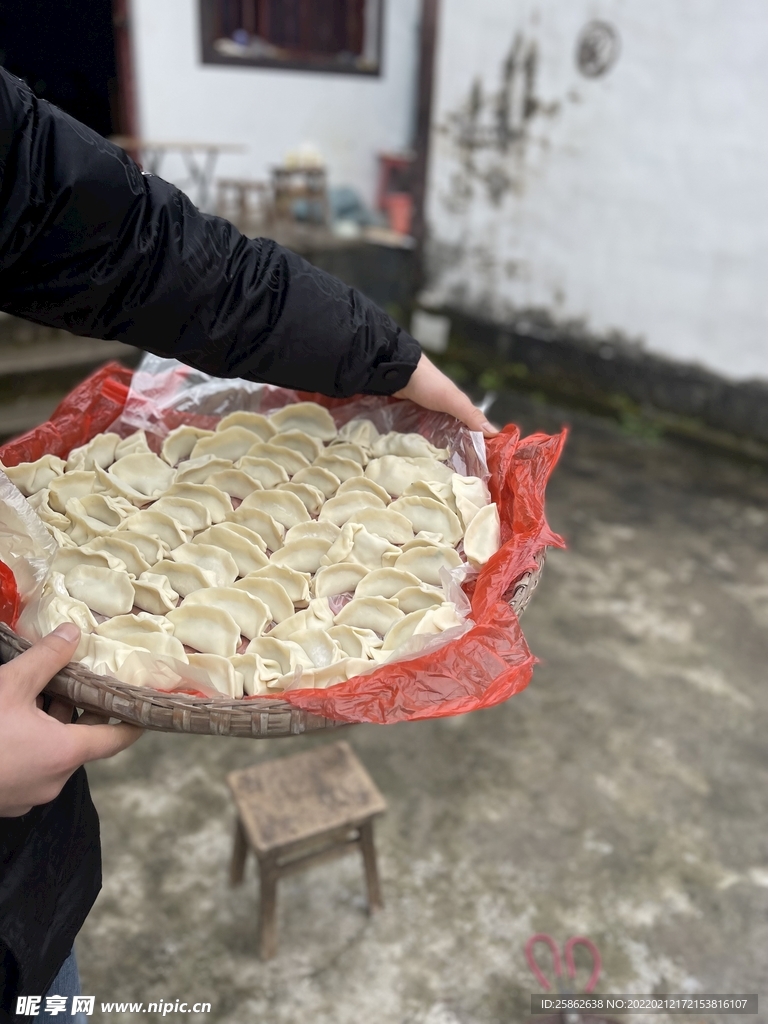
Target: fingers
<point x="100" y="741"/>
<point x="61" y="710"/>
<point x="31" y="671"/>
<point x="430" y="388"/>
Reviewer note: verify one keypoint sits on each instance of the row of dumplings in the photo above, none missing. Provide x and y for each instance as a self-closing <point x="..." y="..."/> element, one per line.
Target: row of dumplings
<point x="199" y="553"/>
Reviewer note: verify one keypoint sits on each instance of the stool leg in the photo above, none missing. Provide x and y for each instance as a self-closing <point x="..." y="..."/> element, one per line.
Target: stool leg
<point x="268" y="876"/>
<point x="239" y="853"/>
<point x="368" y="850"/>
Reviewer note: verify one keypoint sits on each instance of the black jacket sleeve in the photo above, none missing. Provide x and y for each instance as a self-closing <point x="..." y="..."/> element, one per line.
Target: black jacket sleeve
<point x="91" y="244"/>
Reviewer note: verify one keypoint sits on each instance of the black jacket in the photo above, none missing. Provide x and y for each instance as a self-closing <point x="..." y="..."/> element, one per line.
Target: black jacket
<point x="91" y="244"/>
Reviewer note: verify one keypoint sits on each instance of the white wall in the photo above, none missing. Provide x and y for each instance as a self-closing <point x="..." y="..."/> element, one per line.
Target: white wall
<point x="350" y="118"/>
<point x="638" y="201"/>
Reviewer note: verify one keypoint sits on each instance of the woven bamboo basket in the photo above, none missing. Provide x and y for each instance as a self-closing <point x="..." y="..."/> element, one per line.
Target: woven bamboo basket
<point x="260" y="718"/>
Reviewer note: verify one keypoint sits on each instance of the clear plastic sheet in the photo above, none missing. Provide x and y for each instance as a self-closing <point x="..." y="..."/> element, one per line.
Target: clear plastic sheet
<point x="480" y="664"/>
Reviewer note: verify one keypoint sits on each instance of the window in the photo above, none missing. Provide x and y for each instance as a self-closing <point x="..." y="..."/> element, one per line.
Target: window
<point x="310" y="35"/>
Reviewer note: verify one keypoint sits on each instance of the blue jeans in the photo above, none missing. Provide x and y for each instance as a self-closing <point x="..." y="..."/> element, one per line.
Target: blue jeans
<point x="66" y="983"/>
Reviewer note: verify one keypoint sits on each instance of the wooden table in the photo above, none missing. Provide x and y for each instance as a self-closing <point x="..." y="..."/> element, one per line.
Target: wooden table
<point x="301" y="810"/>
<point x="199" y="158"/>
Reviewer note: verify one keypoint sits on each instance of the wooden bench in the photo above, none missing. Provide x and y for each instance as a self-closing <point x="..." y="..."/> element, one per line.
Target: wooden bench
<point x="300" y="810"/>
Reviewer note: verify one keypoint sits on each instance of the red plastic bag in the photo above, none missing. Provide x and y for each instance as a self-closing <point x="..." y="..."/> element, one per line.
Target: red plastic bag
<point x="9" y="596"/>
<point x="485" y="666"/>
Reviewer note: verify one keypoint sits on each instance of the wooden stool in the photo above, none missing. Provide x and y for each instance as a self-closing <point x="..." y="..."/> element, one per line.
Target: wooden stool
<point x="300" y="810"/>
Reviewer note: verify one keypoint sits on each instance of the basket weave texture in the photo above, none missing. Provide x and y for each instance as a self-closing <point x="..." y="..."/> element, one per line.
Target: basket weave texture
<point x="257" y="717"/>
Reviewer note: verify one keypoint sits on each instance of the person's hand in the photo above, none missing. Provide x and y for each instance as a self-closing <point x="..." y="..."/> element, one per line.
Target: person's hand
<point x="39" y="751"/>
<point x="430" y="388"/>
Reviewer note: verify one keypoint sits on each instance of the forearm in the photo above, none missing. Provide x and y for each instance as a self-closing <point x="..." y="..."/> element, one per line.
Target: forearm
<point x="90" y="244"/>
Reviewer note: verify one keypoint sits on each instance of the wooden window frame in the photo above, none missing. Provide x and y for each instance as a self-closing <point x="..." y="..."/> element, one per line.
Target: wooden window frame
<point x="325" y="65"/>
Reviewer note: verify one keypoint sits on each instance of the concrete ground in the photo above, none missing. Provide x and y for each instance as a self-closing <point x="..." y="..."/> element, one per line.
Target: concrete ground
<point x="623" y="796"/>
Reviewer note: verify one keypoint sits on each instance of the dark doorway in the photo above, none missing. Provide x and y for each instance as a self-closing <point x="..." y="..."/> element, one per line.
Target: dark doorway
<point x="65" y="51"/>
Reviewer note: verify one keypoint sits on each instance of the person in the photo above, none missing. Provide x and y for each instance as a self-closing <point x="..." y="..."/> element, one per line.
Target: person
<point x="92" y="244"/>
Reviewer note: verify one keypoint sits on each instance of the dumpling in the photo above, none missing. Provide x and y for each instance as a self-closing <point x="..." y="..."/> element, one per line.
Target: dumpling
<point x="483" y="536"/>
<point x="423" y="539"/>
<point x="336" y="464"/>
<point x="221" y="672"/>
<point x="277" y="658"/>
<point x="385" y="522"/>
<point x="412" y="599"/>
<point x="190" y="513"/>
<point x="403" y="630"/>
<point x="432" y="489"/>
<point x="301" y="442"/>
<point x="291" y="460"/>
<point x="427" y="561"/>
<point x="343" y="506"/>
<point x="99" y="451"/>
<point x="205" y="628"/>
<point x="106" y="591"/>
<point x="355" y="544"/>
<point x="359" y="431"/>
<point x="411" y="446"/>
<point x="247" y="551"/>
<point x="355" y="642"/>
<point x="319" y="647"/>
<point x="135" y="444"/>
<point x="470" y="495"/>
<point x="39" y="502"/>
<point x="306" y="416"/>
<point x="217" y="502"/>
<point x="250" y="614"/>
<point x="311" y="497"/>
<point x="179" y="443"/>
<point x="362" y="483"/>
<point x="438" y="619"/>
<point x="248" y="667"/>
<point x="72" y="485"/>
<point x="197" y="471"/>
<point x="230" y="443"/>
<point x="234" y="482"/>
<point x="119" y="625"/>
<point x="253" y="421"/>
<point x="153" y="592"/>
<point x="376" y="613"/>
<point x="259" y="522"/>
<point x="282" y="506"/>
<point x="102" y="655"/>
<point x="317" y="616"/>
<point x="31" y="477"/>
<point x="128" y="553"/>
<point x="394" y="473"/>
<point x="156" y="524"/>
<point x="349" y="450"/>
<point x="56" y="606"/>
<point x="341" y="578"/>
<point x="313" y="529"/>
<point x="151" y="548"/>
<point x="67" y="558"/>
<point x="130" y="629"/>
<point x="270" y="593"/>
<point x="142" y="475"/>
<point x="303" y="555"/>
<point x="215" y="561"/>
<point x="266" y="472"/>
<point x="92" y="515"/>
<point x="385" y="583"/>
<point x="294" y="583"/>
<point x="433" y="516"/>
<point x="184" y="577"/>
<point x="322" y="479"/>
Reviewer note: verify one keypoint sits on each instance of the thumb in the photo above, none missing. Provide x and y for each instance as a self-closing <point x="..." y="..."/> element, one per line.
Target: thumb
<point x="32" y="671"/>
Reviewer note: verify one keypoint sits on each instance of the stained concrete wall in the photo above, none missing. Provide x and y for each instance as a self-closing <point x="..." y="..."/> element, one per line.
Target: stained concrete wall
<point x="634" y="202"/>
<point x="350" y="118"/>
